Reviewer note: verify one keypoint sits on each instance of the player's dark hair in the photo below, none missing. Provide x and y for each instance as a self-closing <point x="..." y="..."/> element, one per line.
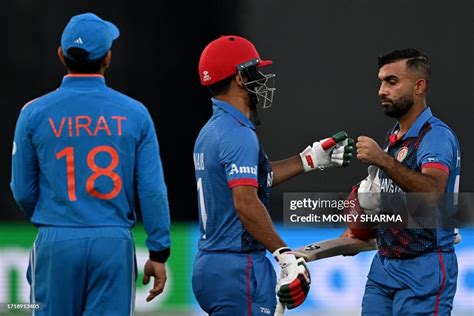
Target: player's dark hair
<point x="77" y="62"/>
<point x="221" y="87"/>
<point x="417" y="61"/>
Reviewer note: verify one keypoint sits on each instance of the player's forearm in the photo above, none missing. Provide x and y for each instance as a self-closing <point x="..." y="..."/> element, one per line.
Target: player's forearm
<point x="156" y="219"/>
<point x="258" y="223"/>
<point x="26" y="199"/>
<point x="25" y="171"/>
<point x="409" y="180"/>
<point x="286" y="169"/>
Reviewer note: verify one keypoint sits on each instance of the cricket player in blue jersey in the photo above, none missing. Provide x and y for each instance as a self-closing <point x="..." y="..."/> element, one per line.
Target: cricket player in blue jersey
<point x="79" y="153"/>
<point x="415" y="270"/>
<point x="231" y="274"/>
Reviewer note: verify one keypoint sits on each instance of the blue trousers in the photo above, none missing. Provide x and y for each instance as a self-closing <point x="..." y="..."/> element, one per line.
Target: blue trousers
<point x="234" y="284"/>
<point x="423" y="285"/>
<point x="83" y="271"/>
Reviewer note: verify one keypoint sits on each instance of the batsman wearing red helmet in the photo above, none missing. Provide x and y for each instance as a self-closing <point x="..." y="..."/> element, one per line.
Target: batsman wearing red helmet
<point x="231" y="274"/>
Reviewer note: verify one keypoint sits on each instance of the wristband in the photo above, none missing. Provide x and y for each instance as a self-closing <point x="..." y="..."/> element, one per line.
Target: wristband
<point x="160" y="256"/>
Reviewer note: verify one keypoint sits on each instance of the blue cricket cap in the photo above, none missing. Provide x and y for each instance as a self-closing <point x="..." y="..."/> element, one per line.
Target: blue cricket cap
<point x="91" y="33"/>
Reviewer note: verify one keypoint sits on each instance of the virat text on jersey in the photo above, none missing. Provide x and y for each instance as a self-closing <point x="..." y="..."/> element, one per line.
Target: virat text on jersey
<point x="86" y="125"/>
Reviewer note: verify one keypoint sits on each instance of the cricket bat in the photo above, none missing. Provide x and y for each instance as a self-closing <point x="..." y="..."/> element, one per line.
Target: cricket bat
<point x="334" y="247"/>
<point x="329" y="248"/>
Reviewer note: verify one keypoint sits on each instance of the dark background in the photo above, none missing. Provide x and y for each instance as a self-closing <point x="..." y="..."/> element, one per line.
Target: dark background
<point x="324" y="55"/>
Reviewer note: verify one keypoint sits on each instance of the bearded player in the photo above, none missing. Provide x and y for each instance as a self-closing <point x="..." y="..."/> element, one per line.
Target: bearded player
<point x="415" y="270"/>
<point x="231" y="274"/>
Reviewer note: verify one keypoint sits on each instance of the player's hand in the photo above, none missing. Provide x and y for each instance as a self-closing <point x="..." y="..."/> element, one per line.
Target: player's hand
<point x="294" y="281"/>
<point x="348" y="233"/>
<point x="156" y="270"/>
<point x="341" y="155"/>
<point x="369" y="152"/>
<point x="335" y="151"/>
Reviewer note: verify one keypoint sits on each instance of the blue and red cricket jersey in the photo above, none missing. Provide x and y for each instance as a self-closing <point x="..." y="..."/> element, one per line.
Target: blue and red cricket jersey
<point x="227" y="153"/>
<point x="415" y="270"/>
<point x="231" y="275"/>
<point x="429" y="143"/>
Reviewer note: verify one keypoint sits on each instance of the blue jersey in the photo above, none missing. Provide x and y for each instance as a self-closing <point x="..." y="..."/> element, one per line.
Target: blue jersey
<point x="79" y="153"/>
<point x="227" y="154"/>
<point x="429" y="143"/>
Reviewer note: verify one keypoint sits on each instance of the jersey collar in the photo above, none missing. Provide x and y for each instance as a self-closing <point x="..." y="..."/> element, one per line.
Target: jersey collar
<point x="83" y="80"/>
<point x="415" y="129"/>
<point x="233" y="111"/>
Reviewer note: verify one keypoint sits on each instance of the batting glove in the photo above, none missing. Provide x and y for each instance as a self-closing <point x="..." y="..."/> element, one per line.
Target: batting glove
<point x="294" y="281"/>
<point x="335" y="151"/>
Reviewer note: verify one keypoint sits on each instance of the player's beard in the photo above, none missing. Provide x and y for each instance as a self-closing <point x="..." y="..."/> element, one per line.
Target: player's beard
<point x="253" y="110"/>
<point x="398" y="108"/>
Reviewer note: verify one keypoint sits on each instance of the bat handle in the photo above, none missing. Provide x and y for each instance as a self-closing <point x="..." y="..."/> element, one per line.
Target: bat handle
<point x="280" y="309"/>
<point x="334" y="139"/>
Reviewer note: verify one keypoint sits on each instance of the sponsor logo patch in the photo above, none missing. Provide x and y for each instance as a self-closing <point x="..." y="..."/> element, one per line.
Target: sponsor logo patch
<point x="234" y="169"/>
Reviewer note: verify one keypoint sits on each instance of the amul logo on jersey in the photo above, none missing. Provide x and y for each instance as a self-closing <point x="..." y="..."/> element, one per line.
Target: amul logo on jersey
<point x="234" y="169"/>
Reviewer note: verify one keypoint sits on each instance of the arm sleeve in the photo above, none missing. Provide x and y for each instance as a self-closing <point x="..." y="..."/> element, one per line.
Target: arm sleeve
<point x="238" y="151"/>
<point x="25" y="170"/>
<point x="152" y="193"/>
<point x="437" y="150"/>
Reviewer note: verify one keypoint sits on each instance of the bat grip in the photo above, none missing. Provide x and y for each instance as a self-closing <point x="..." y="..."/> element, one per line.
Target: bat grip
<point x="330" y="142"/>
<point x="334" y="139"/>
<point x="280" y="309"/>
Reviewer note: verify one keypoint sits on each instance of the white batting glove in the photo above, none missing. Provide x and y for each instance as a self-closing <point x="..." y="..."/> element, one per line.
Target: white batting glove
<point x="335" y="151"/>
<point x="457" y="236"/>
<point x="368" y="193"/>
<point x="294" y="281"/>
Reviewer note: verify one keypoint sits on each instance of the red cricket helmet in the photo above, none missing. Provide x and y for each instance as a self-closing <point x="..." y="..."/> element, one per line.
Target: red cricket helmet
<point x="226" y="55"/>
